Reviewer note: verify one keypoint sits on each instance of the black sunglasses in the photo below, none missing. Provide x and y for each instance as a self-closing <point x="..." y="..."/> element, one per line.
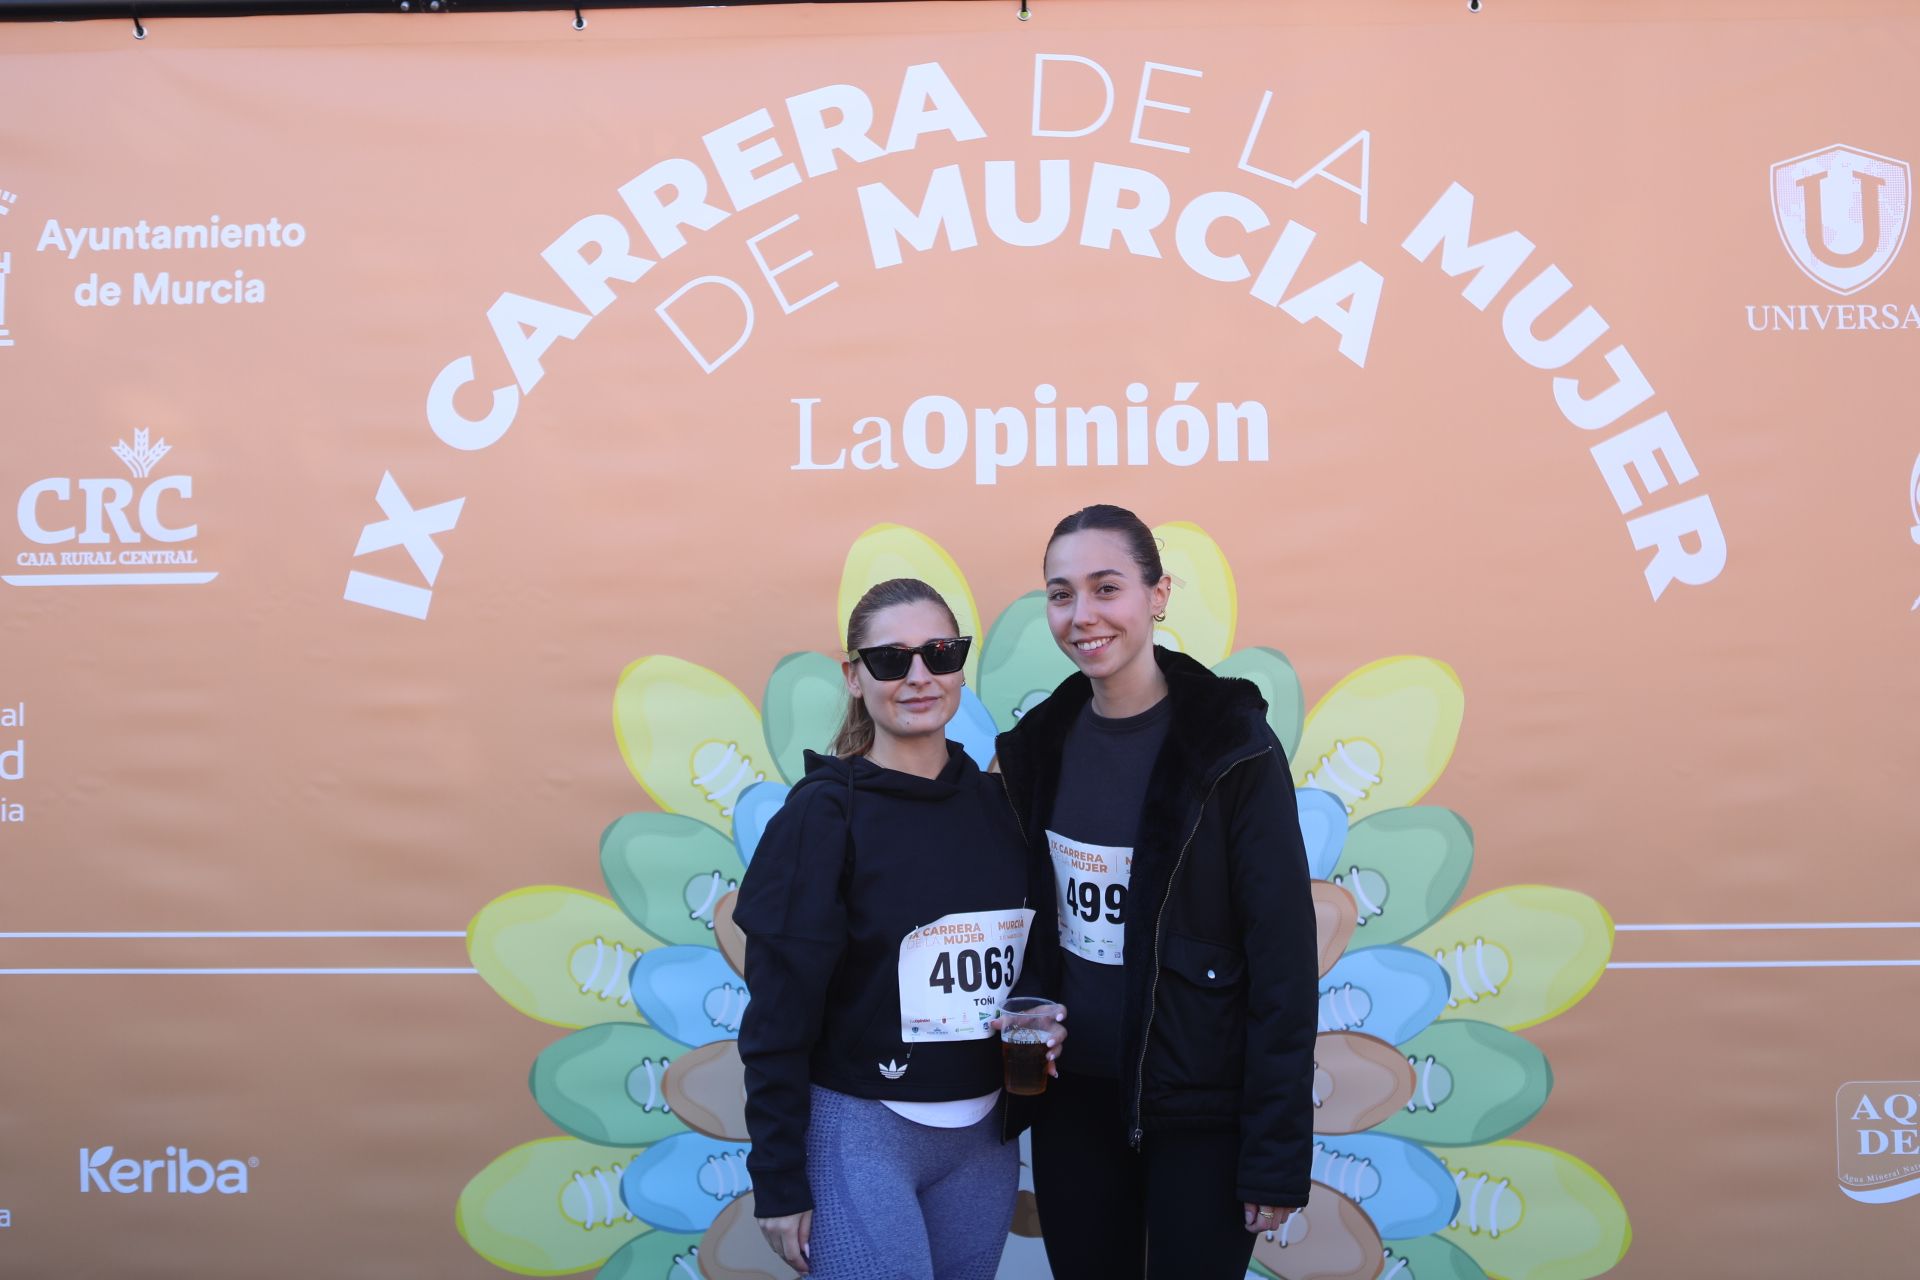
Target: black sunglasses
<point x="892" y="662"/>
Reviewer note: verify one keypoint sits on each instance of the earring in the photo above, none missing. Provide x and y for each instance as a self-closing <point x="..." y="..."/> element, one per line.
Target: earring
<point x="1159" y="617"/>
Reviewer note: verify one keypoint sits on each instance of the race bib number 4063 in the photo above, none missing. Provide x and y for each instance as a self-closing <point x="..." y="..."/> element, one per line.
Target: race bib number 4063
<point x="1090" y="885"/>
<point x="955" y="972"/>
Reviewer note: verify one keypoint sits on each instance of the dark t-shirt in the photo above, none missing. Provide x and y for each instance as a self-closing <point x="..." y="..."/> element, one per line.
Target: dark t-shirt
<point x="1090" y="836"/>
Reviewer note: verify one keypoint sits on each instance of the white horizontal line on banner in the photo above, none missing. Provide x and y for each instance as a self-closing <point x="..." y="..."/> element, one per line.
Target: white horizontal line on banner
<point x="247" y="933"/>
<point x="149" y="934"/>
<point x="400" y="972"/>
<point x="1767" y="924"/>
<point x="1763" y="964"/>
<point x="109" y="579"/>
<point x="44" y="973"/>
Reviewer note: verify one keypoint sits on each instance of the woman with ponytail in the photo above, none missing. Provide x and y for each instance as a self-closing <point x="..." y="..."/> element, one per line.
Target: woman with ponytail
<point x="886" y="916"/>
<point x="1175" y="917"/>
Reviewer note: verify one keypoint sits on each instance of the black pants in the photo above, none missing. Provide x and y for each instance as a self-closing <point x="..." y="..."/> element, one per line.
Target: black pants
<point x="1107" y="1212"/>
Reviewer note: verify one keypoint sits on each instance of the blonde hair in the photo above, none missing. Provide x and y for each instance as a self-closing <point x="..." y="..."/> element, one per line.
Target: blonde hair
<point x="855" y="737"/>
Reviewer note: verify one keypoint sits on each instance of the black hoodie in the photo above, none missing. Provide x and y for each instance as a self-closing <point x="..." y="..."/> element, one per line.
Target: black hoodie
<point x="858" y="861"/>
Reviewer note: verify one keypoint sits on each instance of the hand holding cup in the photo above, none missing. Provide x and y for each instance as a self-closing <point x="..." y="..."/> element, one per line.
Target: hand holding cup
<point x="1032" y="1031"/>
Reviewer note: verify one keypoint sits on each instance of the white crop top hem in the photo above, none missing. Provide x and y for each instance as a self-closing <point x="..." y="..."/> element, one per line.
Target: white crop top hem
<point x="945" y="1115"/>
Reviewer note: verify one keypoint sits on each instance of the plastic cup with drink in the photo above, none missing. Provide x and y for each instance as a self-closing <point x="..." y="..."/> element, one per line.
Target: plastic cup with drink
<point x="1028" y="1025"/>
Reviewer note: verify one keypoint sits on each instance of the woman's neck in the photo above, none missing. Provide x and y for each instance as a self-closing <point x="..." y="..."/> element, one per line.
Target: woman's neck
<point x="924" y="755"/>
<point x="1127" y="692"/>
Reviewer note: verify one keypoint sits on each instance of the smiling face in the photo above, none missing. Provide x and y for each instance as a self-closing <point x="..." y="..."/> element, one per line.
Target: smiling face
<point x="1098" y="606"/>
<point x="920" y="703"/>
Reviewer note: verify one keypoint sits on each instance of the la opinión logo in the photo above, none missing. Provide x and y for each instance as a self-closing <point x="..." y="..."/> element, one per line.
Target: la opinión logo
<point x="179" y="1172"/>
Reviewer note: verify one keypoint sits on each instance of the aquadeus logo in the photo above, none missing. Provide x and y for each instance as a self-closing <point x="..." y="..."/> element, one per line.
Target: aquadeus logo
<point x="1877" y="1124"/>
<point x="1842" y="213"/>
<point x="111" y="531"/>
<point x="179" y="1172"/>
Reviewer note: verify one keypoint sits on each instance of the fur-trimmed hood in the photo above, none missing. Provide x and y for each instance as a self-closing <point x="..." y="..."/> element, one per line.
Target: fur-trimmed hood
<point x="1216" y="720"/>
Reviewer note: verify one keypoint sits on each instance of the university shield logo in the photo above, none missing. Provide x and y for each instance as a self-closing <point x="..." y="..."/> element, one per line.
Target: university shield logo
<point x="1842" y="213"/>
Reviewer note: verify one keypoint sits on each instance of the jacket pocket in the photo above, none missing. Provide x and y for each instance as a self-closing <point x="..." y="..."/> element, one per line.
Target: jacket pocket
<point x="1209" y="965"/>
<point x="1200" y="1017"/>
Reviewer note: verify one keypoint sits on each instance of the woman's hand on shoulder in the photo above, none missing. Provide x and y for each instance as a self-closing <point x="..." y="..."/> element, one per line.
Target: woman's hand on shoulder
<point x="789" y="1237"/>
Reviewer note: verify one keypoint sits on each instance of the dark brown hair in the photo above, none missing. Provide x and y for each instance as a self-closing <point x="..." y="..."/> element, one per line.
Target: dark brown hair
<point x="855" y="737"/>
<point x="1131" y="528"/>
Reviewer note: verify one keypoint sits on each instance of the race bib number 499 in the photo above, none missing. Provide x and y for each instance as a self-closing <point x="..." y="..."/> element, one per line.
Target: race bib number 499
<point x="1090" y="884"/>
<point x="955" y="972"/>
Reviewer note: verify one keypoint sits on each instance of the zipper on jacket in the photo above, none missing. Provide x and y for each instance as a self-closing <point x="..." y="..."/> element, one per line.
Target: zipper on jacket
<point x="1006" y="789"/>
<point x="1159" y="920"/>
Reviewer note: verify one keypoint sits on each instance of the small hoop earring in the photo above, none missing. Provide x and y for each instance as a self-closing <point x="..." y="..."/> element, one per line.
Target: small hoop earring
<point x="1159" y="617"/>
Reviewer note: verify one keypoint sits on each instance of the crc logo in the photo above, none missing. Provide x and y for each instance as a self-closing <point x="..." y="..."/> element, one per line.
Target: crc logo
<point x="106" y="501"/>
<point x="121" y="531"/>
<point x="180" y="1172"/>
<point x="1842" y="213"/>
<point x="1877" y="1126"/>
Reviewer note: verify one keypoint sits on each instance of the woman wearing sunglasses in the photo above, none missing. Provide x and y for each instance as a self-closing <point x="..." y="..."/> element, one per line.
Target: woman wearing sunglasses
<point x="886" y="918"/>
<point x="1175" y="918"/>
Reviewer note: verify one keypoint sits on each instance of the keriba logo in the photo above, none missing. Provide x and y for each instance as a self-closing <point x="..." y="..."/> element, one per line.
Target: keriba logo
<point x="1842" y="213"/>
<point x="179" y="1172"/>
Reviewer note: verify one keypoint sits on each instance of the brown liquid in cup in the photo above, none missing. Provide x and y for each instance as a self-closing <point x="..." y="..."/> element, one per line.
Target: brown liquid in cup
<point x="1023" y="1055"/>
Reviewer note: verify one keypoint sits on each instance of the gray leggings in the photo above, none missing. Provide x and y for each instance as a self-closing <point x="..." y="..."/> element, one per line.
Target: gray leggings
<point x="895" y="1200"/>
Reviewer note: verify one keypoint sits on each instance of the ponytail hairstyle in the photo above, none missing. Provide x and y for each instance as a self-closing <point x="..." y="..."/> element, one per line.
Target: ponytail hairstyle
<point x="1133" y="531"/>
<point x="855" y="737"/>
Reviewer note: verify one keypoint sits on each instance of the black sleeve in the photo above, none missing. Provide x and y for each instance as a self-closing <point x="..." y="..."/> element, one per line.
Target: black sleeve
<point x="1040" y="967"/>
<point x="796" y="927"/>
<point x="1268" y="863"/>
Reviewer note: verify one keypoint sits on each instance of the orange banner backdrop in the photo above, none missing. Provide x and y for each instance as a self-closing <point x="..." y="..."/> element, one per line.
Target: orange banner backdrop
<point x="442" y="450"/>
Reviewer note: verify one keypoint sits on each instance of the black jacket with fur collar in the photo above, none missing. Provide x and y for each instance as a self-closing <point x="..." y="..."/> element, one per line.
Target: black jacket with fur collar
<point x="1220" y="956"/>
